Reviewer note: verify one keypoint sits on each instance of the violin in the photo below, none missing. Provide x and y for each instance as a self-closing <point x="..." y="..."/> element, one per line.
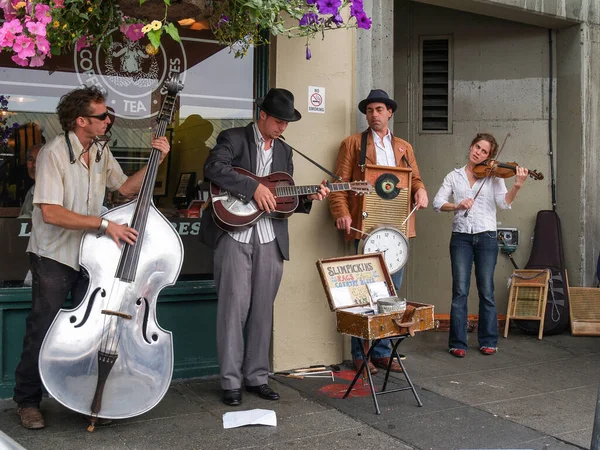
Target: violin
<point x="502" y="170"/>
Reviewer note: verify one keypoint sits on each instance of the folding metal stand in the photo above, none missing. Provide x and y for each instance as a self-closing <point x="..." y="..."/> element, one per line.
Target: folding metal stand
<point x="395" y="342"/>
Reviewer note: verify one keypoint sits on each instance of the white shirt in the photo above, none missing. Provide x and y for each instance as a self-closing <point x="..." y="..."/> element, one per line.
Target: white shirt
<point x="482" y="216"/>
<point x="264" y="226"/>
<point x="384" y="151"/>
<point x="76" y="187"/>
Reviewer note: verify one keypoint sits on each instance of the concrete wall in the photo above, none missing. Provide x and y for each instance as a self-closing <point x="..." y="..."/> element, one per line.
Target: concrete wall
<point x="542" y="13"/>
<point x="500" y="86"/>
<point x="569" y="158"/>
<point x="375" y="52"/>
<point x="304" y="328"/>
<point x="501" y="72"/>
<point x="589" y="237"/>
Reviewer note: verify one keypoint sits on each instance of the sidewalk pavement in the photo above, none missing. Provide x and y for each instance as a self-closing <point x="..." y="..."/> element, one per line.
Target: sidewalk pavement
<point x="531" y="395"/>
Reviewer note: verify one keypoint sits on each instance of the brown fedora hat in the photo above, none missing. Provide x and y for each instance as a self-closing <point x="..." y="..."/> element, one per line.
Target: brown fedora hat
<point x="279" y="103"/>
<point x="377" y="96"/>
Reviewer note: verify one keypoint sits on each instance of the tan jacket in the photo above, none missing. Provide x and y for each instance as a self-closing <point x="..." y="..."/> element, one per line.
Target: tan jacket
<point x="349" y="203"/>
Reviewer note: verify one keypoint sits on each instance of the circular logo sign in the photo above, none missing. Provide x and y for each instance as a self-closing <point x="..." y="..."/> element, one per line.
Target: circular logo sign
<point x="128" y="75"/>
<point x="316" y="99"/>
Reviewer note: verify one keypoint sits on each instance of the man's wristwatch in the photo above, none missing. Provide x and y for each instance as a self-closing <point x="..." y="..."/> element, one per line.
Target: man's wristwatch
<point x="102" y="228"/>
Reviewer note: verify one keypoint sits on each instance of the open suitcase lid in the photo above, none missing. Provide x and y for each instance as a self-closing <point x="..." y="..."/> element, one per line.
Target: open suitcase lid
<point x="352" y="281"/>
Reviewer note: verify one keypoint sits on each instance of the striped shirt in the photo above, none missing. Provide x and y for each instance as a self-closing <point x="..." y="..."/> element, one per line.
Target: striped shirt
<point x="263" y="227"/>
<point x="76" y="187"/>
<point x="482" y="216"/>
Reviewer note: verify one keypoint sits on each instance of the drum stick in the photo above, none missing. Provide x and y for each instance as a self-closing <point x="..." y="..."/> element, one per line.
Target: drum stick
<point x="311" y="369"/>
<point x="360" y="231"/>
<point x="411" y="213"/>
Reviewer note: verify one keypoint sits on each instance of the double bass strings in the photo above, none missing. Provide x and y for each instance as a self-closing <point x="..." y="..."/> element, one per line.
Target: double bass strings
<point x="113" y="328"/>
<point x="109" y="329"/>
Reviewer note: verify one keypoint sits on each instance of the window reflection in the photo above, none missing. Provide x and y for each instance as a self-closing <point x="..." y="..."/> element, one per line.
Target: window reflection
<point x="218" y="94"/>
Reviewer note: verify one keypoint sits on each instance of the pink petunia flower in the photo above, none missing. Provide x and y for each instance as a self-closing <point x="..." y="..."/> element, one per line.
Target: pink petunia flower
<point x="42" y="13"/>
<point x="37" y="61"/>
<point x="59" y="3"/>
<point x="133" y="32"/>
<point x="36" y="28"/>
<point x="9" y="32"/>
<point x="14" y="26"/>
<point x="24" y="47"/>
<point x="82" y="43"/>
<point x="6" y="39"/>
<point x="20" y="61"/>
<point x="9" y="11"/>
<point x="42" y="45"/>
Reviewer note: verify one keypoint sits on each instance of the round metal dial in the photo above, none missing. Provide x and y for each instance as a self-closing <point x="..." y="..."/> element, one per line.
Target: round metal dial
<point x="391" y="242"/>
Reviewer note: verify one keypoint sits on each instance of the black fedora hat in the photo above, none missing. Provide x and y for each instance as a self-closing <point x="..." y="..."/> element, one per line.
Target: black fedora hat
<point x="279" y="103"/>
<point x="377" y="96"/>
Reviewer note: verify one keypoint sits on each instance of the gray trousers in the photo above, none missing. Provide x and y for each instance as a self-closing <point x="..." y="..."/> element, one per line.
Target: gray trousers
<point x="247" y="278"/>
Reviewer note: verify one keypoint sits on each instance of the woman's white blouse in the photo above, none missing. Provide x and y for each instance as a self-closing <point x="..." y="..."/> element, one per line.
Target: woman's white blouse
<point x="482" y="216"/>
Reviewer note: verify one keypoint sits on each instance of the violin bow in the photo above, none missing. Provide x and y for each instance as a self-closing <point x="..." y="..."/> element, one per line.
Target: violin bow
<point x="489" y="175"/>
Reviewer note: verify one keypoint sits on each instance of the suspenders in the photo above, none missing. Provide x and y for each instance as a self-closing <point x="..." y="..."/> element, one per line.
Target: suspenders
<point x="363" y="152"/>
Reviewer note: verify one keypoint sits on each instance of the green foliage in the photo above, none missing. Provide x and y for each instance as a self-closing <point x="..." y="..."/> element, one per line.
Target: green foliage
<point x="242" y="23"/>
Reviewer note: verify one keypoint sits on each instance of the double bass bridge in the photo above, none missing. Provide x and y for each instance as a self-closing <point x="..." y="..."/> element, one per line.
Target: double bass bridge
<point x="120" y="314"/>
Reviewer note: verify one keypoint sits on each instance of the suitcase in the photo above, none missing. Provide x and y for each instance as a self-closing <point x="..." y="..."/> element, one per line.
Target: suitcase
<point x="345" y="281"/>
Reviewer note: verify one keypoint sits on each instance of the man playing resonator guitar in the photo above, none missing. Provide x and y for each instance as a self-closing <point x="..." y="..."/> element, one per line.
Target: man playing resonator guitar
<point x="251" y="258"/>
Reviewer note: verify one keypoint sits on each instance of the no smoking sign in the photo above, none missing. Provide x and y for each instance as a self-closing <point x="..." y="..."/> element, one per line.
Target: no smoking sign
<point x="316" y="99"/>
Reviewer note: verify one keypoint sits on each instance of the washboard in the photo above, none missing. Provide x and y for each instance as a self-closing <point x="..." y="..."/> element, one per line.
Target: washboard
<point x="527" y="297"/>
<point x="584" y="311"/>
<point x="390" y="202"/>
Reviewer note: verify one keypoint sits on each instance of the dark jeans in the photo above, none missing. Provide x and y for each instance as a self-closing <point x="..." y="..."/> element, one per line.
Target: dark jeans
<point x="383" y="348"/>
<point x="466" y="249"/>
<point x="51" y="284"/>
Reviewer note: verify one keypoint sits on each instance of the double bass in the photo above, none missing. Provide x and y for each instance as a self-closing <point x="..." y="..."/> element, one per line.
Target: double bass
<point x="109" y="357"/>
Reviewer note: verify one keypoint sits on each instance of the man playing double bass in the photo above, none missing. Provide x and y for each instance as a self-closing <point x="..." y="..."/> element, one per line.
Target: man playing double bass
<point x="73" y="173"/>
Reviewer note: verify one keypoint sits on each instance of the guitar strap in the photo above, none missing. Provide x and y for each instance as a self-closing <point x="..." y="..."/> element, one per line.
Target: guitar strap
<point x="314" y="162"/>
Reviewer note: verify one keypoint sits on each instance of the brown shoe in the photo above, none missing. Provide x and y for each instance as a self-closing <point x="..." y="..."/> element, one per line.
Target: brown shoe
<point x="383" y="364"/>
<point x="358" y="362"/>
<point x="31" y="418"/>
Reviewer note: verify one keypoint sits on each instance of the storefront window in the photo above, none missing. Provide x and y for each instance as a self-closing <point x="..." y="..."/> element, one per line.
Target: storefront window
<point x="218" y="94"/>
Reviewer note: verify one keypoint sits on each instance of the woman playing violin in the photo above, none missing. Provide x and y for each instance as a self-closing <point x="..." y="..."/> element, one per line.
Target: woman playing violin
<point x="474" y="240"/>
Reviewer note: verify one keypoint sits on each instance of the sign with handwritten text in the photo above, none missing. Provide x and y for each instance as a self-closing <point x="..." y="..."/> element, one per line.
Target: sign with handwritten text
<point x="346" y="279"/>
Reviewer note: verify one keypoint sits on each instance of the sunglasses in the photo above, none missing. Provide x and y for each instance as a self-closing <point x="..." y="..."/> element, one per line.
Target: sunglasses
<point x="102" y="116"/>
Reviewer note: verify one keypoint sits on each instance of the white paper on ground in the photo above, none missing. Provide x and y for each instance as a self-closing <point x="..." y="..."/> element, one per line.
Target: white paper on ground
<point x="250" y="417"/>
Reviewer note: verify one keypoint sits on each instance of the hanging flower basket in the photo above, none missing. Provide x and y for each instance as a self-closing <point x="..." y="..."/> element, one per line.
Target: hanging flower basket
<point x="179" y="9"/>
<point x="37" y="29"/>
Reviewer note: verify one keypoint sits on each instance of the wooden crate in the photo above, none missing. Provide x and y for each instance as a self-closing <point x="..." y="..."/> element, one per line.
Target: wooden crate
<point x="584" y="308"/>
